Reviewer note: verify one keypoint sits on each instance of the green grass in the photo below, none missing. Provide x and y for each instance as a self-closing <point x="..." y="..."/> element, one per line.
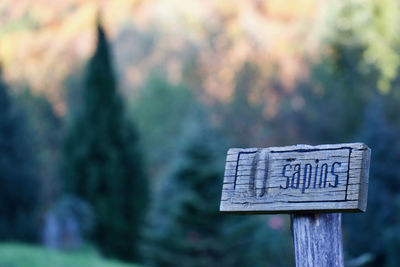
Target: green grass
<point x="21" y="255"/>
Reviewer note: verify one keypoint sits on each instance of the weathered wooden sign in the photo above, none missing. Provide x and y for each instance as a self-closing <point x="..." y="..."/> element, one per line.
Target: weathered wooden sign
<point x="324" y="178"/>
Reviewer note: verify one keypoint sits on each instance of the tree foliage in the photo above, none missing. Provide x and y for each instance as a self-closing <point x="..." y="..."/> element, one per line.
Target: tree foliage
<point x="47" y="128"/>
<point x="186" y="228"/>
<point x="371" y="24"/>
<point x="162" y="110"/>
<point x="381" y="221"/>
<point x="103" y="162"/>
<point x="20" y="188"/>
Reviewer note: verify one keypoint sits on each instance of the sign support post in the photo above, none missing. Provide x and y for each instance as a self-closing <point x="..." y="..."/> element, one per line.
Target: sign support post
<point x="312" y="183"/>
<point x="317" y="239"/>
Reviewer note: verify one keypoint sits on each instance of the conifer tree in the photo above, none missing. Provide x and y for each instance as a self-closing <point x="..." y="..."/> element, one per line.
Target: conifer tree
<point x="19" y="186"/>
<point x="103" y="162"/>
<point x="381" y="220"/>
<point x="185" y="227"/>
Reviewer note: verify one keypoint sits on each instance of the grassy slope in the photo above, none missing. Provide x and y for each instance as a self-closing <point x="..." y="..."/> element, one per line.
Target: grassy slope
<point x="21" y="255"/>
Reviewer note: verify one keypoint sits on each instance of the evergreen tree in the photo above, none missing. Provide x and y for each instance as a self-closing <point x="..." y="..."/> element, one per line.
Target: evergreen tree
<point x="186" y="228"/>
<point x="381" y="220"/>
<point x="155" y="110"/>
<point x="19" y="187"/>
<point x="102" y="160"/>
<point x="47" y="126"/>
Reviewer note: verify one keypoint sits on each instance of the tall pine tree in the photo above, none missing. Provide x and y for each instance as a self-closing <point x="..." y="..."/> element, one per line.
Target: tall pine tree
<point x="382" y="219"/>
<point x="102" y="160"/>
<point x="19" y="187"/>
<point x="185" y="227"/>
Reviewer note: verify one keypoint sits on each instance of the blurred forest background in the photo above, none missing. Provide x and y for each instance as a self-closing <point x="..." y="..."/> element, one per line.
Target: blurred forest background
<point x="115" y="117"/>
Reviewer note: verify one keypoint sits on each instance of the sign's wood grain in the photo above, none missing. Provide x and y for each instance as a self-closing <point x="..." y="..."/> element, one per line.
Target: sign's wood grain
<point x="317" y="239"/>
<point x="324" y="178"/>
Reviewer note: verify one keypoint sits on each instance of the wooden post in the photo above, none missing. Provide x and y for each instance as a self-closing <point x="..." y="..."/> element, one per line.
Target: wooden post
<point x="313" y="183"/>
<point x="317" y="239"/>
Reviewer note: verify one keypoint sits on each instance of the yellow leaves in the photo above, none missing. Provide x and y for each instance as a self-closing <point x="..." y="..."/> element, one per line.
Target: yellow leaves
<point x="83" y="19"/>
<point x="373" y="24"/>
<point x="289" y="11"/>
<point x="225" y="33"/>
<point x="383" y="40"/>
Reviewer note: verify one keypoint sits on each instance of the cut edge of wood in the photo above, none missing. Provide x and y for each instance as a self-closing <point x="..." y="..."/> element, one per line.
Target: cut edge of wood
<point x="313" y="211"/>
<point x="363" y="194"/>
<point x="356" y="145"/>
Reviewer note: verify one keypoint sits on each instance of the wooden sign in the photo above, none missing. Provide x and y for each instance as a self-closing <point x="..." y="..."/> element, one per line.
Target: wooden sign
<point x="301" y="178"/>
